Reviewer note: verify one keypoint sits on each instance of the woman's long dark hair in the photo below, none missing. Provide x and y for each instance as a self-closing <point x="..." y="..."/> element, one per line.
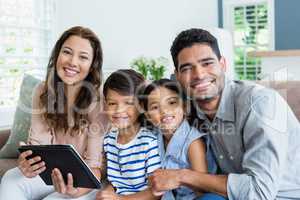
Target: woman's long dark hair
<point x="50" y="99"/>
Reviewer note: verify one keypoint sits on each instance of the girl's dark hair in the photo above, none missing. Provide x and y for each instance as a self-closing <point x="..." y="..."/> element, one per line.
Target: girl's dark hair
<point x="125" y="82"/>
<point x="167" y="83"/>
<point x="55" y="116"/>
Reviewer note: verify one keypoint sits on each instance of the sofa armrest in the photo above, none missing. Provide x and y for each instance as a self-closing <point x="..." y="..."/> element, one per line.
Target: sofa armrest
<point x="4" y="135"/>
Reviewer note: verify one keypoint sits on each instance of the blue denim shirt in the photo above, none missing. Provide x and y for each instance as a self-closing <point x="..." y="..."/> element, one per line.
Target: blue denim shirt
<point x="176" y="157"/>
<point x="256" y="141"/>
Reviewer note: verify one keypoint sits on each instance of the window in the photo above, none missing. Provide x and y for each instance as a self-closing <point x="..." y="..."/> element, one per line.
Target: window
<point x="250" y="22"/>
<point x="26" y="29"/>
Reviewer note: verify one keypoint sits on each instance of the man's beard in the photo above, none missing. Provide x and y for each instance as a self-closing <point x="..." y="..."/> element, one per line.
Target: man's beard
<point x="206" y="97"/>
<point x="201" y="100"/>
<point x="215" y="92"/>
<point x="209" y="96"/>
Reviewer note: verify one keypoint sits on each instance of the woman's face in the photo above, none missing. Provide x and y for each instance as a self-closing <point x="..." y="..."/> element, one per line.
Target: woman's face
<point x="74" y="60"/>
<point x="165" y="109"/>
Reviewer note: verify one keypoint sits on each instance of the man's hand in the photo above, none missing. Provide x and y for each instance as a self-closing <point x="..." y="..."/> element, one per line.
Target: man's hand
<point x="163" y="180"/>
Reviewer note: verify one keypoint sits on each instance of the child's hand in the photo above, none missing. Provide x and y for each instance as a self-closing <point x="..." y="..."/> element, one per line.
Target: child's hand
<point x="31" y="167"/>
<point x="107" y="194"/>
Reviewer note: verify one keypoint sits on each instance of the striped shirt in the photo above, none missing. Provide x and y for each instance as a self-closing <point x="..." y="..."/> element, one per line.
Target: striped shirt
<point x="129" y="165"/>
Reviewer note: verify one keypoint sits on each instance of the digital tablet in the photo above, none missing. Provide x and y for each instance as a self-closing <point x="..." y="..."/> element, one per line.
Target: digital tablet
<point x="67" y="160"/>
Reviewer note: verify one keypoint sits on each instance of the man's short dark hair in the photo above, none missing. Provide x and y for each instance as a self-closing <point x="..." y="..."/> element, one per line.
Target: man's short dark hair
<point x="190" y="37"/>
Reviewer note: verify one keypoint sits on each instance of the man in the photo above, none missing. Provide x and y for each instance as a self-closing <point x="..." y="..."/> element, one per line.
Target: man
<point x="255" y="136"/>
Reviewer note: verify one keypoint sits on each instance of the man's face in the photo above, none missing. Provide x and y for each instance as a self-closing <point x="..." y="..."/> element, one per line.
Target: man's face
<point x="200" y="72"/>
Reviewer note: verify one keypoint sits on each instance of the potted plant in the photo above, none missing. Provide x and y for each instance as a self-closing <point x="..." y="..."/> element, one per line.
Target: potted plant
<point x="150" y="68"/>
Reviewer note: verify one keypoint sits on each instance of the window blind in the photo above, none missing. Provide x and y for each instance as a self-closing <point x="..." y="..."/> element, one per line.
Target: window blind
<point x="250" y="27"/>
<point x="26" y="34"/>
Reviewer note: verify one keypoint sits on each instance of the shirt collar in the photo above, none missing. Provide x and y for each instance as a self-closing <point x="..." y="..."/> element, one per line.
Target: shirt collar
<point x="226" y="107"/>
<point x="178" y="139"/>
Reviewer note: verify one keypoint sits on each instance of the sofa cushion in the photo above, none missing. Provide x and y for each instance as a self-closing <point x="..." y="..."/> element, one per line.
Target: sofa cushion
<point x="290" y="91"/>
<point x="6" y="164"/>
<point x="4" y="135"/>
<point x="22" y="118"/>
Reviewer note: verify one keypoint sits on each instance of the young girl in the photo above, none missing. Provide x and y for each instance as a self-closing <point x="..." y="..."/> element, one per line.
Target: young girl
<point x="181" y="146"/>
<point x="66" y="110"/>
<point x="131" y="150"/>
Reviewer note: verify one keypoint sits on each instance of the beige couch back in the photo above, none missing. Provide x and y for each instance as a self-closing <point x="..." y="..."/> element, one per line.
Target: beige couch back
<point x="290" y="91"/>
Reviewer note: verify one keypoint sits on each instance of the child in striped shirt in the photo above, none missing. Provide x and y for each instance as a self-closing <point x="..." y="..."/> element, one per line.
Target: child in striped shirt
<point x="130" y="150"/>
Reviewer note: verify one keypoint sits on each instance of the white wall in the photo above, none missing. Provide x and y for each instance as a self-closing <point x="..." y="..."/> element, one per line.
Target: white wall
<point x="131" y="28"/>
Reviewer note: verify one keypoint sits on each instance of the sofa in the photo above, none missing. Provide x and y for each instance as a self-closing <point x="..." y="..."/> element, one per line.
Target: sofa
<point x="10" y="137"/>
<point x="5" y="163"/>
<point x="289" y="90"/>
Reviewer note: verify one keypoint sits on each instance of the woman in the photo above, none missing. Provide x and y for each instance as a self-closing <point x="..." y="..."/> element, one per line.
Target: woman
<point x="66" y="110"/>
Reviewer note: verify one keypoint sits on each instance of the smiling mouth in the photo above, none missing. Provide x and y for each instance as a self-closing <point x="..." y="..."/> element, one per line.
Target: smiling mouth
<point x="202" y="85"/>
<point x="70" y="72"/>
<point x="168" y="119"/>
<point x="120" y="119"/>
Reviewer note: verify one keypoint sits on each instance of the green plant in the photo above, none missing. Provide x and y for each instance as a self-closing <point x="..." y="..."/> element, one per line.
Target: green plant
<point x="150" y="68"/>
<point x="141" y="65"/>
